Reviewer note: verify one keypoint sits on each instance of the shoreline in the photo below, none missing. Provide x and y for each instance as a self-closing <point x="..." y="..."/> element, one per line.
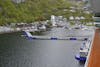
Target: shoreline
<point x="4" y="30"/>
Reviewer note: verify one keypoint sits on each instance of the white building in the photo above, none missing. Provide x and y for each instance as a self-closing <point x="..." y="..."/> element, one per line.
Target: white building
<point x="53" y="20"/>
<point x="95" y="7"/>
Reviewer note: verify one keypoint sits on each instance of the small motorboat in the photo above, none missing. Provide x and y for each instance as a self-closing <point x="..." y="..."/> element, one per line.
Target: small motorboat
<point x="82" y="55"/>
<point x="83" y="52"/>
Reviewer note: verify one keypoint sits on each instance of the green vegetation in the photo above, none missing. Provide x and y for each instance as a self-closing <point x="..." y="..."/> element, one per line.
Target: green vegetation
<point x="72" y="23"/>
<point x="29" y="11"/>
<point x="35" y="10"/>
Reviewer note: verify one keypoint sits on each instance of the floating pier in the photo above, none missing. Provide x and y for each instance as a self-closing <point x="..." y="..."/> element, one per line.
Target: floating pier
<point x="30" y="36"/>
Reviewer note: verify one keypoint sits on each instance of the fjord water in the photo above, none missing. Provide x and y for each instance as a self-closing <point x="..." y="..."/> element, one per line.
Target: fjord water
<point x="18" y="51"/>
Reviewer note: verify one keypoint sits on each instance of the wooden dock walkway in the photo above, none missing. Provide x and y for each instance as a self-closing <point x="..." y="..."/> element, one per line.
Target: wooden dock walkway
<point x="95" y="51"/>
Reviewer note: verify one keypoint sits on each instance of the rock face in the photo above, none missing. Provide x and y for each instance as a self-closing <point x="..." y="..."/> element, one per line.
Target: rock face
<point x="0" y="8"/>
<point x="18" y="1"/>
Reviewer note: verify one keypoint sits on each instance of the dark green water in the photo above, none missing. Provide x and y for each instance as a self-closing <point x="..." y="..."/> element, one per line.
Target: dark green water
<point x="17" y="51"/>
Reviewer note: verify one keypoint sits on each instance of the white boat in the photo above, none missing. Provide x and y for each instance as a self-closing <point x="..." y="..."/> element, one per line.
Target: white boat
<point x="83" y="52"/>
<point x="42" y="28"/>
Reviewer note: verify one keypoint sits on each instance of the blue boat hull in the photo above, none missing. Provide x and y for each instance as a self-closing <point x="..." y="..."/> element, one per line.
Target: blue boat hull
<point x="80" y="58"/>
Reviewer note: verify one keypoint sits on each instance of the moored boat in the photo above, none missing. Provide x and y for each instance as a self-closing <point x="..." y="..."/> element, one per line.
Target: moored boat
<point x="83" y="52"/>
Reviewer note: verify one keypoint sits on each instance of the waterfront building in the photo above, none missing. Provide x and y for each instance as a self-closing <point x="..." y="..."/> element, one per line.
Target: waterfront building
<point x="95" y="7"/>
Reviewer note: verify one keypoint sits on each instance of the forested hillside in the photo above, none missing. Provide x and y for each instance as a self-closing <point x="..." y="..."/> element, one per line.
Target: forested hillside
<point x="38" y="10"/>
<point x="30" y="10"/>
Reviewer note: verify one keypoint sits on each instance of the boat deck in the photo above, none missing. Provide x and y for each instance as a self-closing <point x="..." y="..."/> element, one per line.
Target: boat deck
<point x="95" y="51"/>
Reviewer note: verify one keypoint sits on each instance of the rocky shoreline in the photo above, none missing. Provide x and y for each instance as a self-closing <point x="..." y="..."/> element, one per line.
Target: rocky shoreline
<point x="4" y="29"/>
